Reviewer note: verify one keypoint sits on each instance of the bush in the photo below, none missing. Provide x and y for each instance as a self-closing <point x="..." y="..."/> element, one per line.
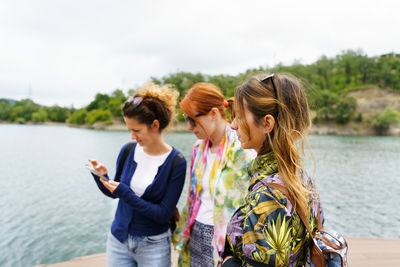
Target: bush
<point x="20" y="120"/>
<point x="23" y="109"/>
<point x="115" y="107"/>
<point x="382" y="122"/>
<point x="108" y="122"/>
<point x="78" y="117"/>
<point x="5" y="107"/>
<point x="100" y="102"/>
<point x="325" y="103"/>
<point x="345" y="110"/>
<point x="179" y="116"/>
<point x="57" y="113"/>
<point x="359" y="117"/>
<point x="40" y="115"/>
<point x="97" y="115"/>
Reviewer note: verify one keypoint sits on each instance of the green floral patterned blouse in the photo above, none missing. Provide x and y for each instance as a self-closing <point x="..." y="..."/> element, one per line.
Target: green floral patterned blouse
<point x="266" y="229"/>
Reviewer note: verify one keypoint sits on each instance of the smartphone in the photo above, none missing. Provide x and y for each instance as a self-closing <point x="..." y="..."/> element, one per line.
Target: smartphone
<point x="95" y="172"/>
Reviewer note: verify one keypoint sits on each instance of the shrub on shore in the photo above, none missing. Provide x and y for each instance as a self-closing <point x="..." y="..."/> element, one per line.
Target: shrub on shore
<point x="382" y="122"/>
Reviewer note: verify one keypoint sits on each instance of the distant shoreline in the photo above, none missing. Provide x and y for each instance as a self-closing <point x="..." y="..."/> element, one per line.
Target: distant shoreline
<point x="177" y="127"/>
<point x="352" y="128"/>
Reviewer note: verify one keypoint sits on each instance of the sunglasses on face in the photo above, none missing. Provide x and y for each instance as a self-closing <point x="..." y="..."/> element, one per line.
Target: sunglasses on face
<point x="190" y="120"/>
<point x="270" y="78"/>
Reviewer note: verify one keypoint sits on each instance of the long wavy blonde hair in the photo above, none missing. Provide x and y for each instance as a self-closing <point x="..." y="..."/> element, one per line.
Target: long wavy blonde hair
<point x="289" y="106"/>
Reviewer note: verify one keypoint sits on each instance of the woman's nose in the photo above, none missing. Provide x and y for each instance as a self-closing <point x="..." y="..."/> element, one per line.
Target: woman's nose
<point x="189" y="126"/>
<point x="234" y="124"/>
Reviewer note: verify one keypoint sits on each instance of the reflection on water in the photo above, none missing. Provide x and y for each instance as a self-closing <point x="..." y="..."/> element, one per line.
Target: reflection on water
<point x="52" y="210"/>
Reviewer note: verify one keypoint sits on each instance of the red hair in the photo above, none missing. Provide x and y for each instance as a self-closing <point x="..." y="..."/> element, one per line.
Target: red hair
<point x="201" y="98"/>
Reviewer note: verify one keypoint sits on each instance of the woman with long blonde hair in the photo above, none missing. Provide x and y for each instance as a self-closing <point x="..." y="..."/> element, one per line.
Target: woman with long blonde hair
<point x="272" y="117"/>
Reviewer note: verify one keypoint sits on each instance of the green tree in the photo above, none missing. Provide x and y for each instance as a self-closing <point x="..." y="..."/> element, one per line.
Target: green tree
<point x="382" y="122"/>
<point x="96" y="115"/>
<point x="119" y="94"/>
<point x="347" y="61"/>
<point x="345" y="110"/>
<point x="114" y="105"/>
<point x="23" y="109"/>
<point x="181" y="80"/>
<point x="100" y="102"/>
<point x="78" y="117"/>
<point x="323" y="68"/>
<point x="16" y="112"/>
<point x="389" y="71"/>
<point x="58" y="114"/>
<point x="40" y="115"/>
<point x="5" y="107"/>
<point x="227" y="83"/>
<point x="367" y="67"/>
<point x="325" y="104"/>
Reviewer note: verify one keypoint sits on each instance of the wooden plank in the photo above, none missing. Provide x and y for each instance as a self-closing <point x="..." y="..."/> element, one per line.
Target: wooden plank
<point x="363" y="252"/>
<point x="96" y="260"/>
<point x="370" y="252"/>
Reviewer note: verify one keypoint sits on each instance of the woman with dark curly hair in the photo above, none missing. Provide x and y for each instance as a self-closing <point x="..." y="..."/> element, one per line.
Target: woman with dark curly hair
<point x="148" y="187"/>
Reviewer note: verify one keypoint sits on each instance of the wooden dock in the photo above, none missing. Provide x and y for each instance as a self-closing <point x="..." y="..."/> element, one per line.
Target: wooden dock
<point x="363" y="252"/>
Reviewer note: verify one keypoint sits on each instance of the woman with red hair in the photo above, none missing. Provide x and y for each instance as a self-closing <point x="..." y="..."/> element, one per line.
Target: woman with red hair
<point x="216" y="186"/>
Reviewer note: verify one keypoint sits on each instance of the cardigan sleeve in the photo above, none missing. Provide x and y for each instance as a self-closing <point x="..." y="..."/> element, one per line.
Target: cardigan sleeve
<point x="102" y="188"/>
<point x="157" y="212"/>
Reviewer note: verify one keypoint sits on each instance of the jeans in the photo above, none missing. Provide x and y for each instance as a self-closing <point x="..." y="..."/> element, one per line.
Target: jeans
<point x="139" y="251"/>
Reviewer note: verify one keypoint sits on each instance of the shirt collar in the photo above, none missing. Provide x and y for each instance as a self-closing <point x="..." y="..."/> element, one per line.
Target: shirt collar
<point x="262" y="166"/>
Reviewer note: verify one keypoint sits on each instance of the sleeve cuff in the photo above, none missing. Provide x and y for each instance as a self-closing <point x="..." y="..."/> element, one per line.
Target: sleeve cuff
<point x="232" y="262"/>
<point x="120" y="190"/>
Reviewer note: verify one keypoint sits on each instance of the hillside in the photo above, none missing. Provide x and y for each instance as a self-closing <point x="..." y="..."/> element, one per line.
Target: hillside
<point x="370" y="101"/>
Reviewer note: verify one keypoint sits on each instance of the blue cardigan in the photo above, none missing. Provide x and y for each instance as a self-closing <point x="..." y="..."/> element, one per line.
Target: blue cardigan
<point x="149" y="214"/>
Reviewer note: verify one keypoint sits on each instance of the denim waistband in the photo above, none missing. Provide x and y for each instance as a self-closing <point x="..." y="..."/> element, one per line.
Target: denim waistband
<point x="158" y="236"/>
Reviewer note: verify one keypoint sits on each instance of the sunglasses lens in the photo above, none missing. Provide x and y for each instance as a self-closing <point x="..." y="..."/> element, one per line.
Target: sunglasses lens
<point x="135" y="101"/>
<point x="192" y="122"/>
<point x="270" y="78"/>
<point x="189" y="120"/>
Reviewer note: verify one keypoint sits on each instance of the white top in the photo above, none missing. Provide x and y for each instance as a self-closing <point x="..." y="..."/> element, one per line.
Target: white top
<point x="146" y="169"/>
<point x="205" y="214"/>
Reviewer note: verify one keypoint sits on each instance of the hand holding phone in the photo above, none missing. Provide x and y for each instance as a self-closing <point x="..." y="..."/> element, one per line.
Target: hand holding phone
<point x="95" y="172"/>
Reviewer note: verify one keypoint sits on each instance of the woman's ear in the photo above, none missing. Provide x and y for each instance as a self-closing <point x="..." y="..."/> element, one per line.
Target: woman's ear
<point x="155" y="125"/>
<point x="268" y="123"/>
<point x="214" y="112"/>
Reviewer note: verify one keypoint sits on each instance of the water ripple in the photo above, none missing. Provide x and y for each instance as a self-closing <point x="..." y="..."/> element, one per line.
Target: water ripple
<point x="54" y="211"/>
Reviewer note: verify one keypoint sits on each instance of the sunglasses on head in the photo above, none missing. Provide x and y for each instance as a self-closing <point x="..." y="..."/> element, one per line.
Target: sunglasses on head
<point x="271" y="78"/>
<point x="135" y="101"/>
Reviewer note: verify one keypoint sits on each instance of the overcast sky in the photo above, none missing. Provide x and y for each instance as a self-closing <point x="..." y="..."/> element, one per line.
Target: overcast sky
<point x="64" y="52"/>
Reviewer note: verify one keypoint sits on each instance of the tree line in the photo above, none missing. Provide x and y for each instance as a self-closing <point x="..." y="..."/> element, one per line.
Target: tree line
<point x="327" y="82"/>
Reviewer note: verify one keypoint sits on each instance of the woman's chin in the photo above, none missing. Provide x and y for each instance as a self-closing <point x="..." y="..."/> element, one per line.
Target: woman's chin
<point x="200" y="136"/>
<point x="246" y="145"/>
<point x="243" y="145"/>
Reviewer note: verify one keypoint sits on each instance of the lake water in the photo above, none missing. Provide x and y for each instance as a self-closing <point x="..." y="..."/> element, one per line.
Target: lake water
<point x="52" y="211"/>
